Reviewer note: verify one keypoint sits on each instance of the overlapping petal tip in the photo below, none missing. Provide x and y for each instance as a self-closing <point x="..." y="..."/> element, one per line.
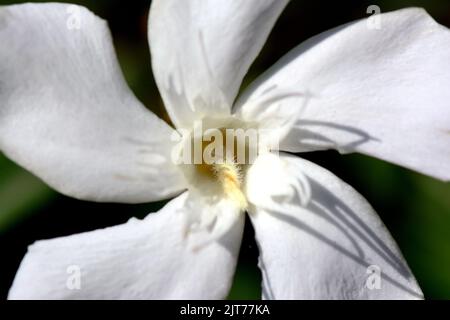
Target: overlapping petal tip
<point x="68" y="115"/>
<point x="319" y="239"/>
<point x="201" y="50"/>
<point x="142" y="259"/>
<point x="356" y="88"/>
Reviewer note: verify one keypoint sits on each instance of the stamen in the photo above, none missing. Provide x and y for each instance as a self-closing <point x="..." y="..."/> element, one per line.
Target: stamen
<point x="229" y="176"/>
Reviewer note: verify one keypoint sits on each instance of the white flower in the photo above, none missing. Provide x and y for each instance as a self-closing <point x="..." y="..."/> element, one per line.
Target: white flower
<point x="67" y="115"/>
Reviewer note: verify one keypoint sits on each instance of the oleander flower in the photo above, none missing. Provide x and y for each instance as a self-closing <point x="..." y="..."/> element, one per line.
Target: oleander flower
<point x="68" y="116"/>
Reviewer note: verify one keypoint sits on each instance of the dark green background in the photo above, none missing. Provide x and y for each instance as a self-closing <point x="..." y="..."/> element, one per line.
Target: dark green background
<point x="415" y="208"/>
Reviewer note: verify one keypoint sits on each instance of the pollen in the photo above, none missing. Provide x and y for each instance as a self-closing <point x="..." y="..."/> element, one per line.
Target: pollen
<point x="230" y="177"/>
<point x="216" y="155"/>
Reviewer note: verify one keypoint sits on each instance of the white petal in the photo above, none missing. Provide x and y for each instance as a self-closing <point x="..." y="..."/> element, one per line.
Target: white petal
<point x="379" y="92"/>
<point x="142" y="259"/>
<point x="67" y="115"/>
<point x="326" y="247"/>
<point x="201" y="50"/>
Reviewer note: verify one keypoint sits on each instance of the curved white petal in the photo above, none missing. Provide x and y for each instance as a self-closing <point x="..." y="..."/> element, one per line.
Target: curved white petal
<point x="142" y="259"/>
<point x="382" y="92"/>
<point x="68" y="116"/>
<point x="319" y="239"/>
<point x="201" y="50"/>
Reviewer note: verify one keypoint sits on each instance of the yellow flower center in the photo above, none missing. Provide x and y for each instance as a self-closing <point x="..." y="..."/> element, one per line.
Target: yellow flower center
<point x="218" y="159"/>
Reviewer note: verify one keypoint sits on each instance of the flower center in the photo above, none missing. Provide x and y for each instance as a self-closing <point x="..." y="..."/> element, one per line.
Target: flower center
<point x="216" y="155"/>
<point x="229" y="175"/>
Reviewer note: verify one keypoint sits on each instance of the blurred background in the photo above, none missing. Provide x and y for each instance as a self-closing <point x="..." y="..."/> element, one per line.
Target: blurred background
<point x="415" y="208"/>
